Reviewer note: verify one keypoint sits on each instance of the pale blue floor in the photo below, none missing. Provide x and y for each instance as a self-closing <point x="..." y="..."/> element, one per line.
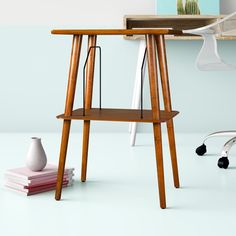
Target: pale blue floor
<point x="120" y="197"/>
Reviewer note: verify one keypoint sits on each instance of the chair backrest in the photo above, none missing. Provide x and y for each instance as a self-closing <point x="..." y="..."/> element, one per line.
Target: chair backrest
<point x="208" y="58"/>
<point x="221" y="26"/>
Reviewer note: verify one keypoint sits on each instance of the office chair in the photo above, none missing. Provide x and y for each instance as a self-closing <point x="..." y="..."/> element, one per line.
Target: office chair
<point x="208" y="59"/>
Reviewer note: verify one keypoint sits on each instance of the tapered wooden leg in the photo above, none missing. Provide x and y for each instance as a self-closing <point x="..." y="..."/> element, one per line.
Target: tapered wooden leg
<point x="74" y="62"/>
<point x="153" y="80"/>
<point x="62" y="160"/>
<point x="171" y="137"/>
<point x="85" y="147"/>
<point x="159" y="163"/>
<point x="160" y="41"/>
<point x="88" y="103"/>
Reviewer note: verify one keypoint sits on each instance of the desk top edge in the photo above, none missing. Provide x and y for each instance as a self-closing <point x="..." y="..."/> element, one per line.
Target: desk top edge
<point x="116" y="31"/>
<point x="171" y="17"/>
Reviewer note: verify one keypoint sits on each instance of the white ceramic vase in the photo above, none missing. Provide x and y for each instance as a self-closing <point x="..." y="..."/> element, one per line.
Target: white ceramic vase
<point x="36" y="158"/>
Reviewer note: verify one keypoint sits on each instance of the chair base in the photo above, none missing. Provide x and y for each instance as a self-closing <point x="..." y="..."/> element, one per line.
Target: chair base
<point x="223" y="162"/>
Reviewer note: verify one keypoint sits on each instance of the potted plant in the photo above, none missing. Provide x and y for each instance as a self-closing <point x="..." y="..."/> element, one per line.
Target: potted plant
<point x="180" y="7"/>
<point x="191" y="7"/>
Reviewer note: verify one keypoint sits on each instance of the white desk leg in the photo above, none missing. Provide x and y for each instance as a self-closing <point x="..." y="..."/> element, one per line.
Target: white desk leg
<point x="137" y="90"/>
<point x="137" y="82"/>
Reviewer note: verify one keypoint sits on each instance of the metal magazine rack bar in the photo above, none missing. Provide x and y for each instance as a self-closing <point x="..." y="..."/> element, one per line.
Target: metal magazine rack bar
<point x="100" y="76"/>
<point x="142" y="74"/>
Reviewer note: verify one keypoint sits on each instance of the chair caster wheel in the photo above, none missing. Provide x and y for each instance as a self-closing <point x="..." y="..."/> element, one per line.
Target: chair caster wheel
<point x="201" y="150"/>
<point x="223" y="162"/>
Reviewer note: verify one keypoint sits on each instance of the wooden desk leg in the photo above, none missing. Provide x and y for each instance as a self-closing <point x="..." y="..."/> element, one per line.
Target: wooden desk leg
<point x="88" y="103"/>
<point x="167" y="103"/>
<point x="153" y="80"/>
<point x="74" y="62"/>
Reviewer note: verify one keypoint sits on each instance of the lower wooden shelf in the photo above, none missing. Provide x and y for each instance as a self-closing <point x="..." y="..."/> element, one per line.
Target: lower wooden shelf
<point x="123" y="115"/>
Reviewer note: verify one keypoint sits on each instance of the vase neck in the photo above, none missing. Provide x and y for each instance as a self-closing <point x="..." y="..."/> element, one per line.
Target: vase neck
<point x="35" y="139"/>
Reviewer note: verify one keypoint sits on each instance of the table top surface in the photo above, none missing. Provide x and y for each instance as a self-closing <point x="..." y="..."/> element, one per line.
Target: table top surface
<point x="116" y="31"/>
<point x="177" y="22"/>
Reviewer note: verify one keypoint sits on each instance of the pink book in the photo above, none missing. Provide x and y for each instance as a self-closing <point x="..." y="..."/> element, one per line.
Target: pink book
<point x="27" y="192"/>
<point x="46" y="180"/>
<point x="41" y="180"/>
<point x="52" y="184"/>
<point x="26" y="174"/>
<point x="22" y="187"/>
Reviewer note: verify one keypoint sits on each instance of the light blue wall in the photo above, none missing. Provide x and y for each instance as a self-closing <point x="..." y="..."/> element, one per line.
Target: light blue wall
<point x="168" y="7"/>
<point x="209" y="7"/>
<point x="34" y="68"/>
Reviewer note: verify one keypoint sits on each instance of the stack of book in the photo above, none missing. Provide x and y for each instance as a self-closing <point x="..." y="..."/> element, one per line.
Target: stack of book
<point x="29" y="182"/>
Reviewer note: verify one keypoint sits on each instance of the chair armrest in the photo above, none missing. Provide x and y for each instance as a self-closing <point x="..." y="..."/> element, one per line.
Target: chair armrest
<point x="224" y="25"/>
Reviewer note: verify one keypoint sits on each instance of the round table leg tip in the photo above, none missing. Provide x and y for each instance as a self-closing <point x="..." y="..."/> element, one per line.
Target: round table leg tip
<point x="57" y="198"/>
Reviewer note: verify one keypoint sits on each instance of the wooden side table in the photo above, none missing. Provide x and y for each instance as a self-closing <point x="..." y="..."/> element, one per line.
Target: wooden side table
<point x="155" y="42"/>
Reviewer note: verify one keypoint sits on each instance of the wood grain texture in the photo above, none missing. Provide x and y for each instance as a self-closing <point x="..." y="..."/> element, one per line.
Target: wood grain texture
<point x="178" y="22"/>
<point x="180" y="37"/>
<point x="88" y="103"/>
<point x="119" y="115"/>
<point x="159" y="164"/>
<point x="74" y="62"/>
<point x="85" y="146"/>
<point x="90" y="71"/>
<point x="154" y="93"/>
<point x="160" y="41"/>
<point x="115" y="31"/>
<point x="152" y="71"/>
<point x="161" y="50"/>
<point x="62" y="159"/>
